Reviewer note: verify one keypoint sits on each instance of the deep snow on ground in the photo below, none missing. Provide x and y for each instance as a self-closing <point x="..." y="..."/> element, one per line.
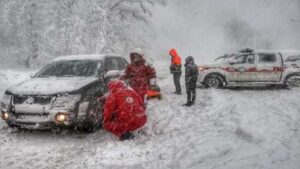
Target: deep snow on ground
<point x="227" y="129"/>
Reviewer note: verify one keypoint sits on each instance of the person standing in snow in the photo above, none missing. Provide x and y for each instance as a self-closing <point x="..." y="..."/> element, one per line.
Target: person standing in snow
<point x="175" y="69"/>
<point x="191" y="76"/>
<point x="139" y="74"/>
<point x="123" y="110"/>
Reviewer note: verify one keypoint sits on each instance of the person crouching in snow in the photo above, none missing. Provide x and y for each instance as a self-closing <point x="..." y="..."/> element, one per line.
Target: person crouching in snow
<point x="123" y="110"/>
<point x="191" y="76"/>
<point x="139" y="73"/>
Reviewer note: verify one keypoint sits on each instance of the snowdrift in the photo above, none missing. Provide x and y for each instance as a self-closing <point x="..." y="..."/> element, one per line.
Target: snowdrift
<point x="227" y="129"/>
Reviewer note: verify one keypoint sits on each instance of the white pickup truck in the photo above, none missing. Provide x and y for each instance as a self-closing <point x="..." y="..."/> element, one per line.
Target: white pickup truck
<point x="250" y="68"/>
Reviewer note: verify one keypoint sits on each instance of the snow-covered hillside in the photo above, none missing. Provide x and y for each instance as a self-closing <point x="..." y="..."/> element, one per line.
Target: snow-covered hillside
<point x="227" y="129"/>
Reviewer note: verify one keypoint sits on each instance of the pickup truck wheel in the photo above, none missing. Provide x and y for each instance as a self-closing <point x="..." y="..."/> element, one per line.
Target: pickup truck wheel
<point x="213" y="82"/>
<point x="292" y="82"/>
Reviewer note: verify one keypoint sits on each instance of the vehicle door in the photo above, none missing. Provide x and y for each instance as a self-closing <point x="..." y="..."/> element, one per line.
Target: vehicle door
<point x="243" y="69"/>
<point x="269" y="67"/>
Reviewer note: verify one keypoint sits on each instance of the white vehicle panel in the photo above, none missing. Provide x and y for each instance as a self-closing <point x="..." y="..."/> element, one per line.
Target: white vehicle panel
<point x="266" y="68"/>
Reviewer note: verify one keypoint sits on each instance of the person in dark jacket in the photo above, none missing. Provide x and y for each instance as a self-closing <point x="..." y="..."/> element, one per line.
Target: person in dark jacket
<point x="175" y="69"/>
<point x="191" y="76"/>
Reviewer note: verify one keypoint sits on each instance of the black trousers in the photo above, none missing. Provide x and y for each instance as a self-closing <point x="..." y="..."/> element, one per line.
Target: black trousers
<point x="176" y="78"/>
<point x="191" y="92"/>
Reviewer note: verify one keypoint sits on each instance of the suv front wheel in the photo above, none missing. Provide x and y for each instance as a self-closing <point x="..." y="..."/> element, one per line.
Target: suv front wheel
<point x="213" y="81"/>
<point x="94" y="121"/>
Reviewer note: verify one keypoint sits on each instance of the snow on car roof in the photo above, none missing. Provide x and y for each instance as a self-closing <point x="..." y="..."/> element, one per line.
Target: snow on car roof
<point x="85" y="57"/>
<point x="276" y="50"/>
<point x="284" y="52"/>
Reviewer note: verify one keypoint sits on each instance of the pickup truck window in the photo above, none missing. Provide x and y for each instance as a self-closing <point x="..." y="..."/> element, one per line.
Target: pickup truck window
<point x="243" y="59"/>
<point x="267" y="58"/>
<point x="293" y="58"/>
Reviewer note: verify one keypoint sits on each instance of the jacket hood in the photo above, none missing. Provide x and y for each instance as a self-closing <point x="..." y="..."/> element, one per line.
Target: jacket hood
<point x="173" y="52"/>
<point x="176" y="59"/>
<point x="189" y="60"/>
<point x="138" y="51"/>
<point x="116" y="85"/>
<point x="51" y="85"/>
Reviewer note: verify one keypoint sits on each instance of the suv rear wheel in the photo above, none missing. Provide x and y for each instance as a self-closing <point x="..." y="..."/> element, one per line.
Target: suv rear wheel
<point x="213" y="81"/>
<point x="292" y="82"/>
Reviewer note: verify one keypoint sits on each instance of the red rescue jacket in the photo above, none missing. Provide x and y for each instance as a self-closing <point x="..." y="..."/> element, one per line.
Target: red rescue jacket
<point x="139" y="75"/>
<point x="123" y="109"/>
<point x="176" y="59"/>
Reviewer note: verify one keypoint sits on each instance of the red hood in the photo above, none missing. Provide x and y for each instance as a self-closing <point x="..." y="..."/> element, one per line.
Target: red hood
<point x="176" y="59"/>
<point x="116" y="85"/>
<point x="173" y="52"/>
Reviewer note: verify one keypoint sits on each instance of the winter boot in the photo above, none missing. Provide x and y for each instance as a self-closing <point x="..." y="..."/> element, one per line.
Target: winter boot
<point x="188" y="104"/>
<point x="178" y="92"/>
<point x="126" y="136"/>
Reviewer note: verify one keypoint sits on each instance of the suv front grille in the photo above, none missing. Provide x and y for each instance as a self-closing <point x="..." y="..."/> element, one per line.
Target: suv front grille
<point x="32" y="99"/>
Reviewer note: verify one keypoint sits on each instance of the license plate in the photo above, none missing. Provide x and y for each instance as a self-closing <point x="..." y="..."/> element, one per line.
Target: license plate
<point x="33" y="118"/>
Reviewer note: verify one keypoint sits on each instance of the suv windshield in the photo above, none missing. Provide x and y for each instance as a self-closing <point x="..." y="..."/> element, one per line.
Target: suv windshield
<point x="70" y="68"/>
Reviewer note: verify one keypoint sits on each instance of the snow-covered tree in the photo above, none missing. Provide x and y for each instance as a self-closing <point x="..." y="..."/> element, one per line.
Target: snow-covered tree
<point x="242" y="35"/>
<point x="35" y="31"/>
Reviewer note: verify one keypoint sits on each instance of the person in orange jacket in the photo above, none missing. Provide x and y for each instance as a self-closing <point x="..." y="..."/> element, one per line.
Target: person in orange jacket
<point x="175" y="69"/>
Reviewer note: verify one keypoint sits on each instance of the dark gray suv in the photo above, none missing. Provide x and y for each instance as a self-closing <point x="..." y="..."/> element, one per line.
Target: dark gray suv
<point x="62" y="94"/>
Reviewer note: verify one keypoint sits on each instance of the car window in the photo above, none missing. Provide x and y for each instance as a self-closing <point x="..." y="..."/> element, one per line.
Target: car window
<point x="243" y="59"/>
<point x="123" y="63"/>
<point x="267" y="58"/>
<point x="114" y="63"/>
<point x="70" y="68"/>
<point x="293" y="58"/>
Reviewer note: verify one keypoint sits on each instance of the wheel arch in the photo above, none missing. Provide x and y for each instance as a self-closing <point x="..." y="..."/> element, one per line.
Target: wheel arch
<point x="291" y="74"/>
<point x="217" y="74"/>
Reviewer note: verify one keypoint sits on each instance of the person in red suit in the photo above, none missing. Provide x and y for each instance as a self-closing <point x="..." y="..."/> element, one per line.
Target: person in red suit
<point x="139" y="73"/>
<point x="123" y="110"/>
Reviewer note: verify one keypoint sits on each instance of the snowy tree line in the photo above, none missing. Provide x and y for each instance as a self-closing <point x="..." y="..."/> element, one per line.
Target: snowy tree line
<point x="33" y="32"/>
<point x="240" y="34"/>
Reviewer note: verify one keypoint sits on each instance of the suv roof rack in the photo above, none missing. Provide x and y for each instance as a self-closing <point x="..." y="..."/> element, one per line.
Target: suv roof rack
<point x="246" y="50"/>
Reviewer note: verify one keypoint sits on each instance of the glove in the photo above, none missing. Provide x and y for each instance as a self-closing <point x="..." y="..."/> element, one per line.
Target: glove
<point x="172" y="69"/>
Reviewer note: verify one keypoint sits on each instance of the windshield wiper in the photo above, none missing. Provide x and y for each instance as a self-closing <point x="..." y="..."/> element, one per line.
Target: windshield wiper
<point x="67" y="76"/>
<point x="45" y="76"/>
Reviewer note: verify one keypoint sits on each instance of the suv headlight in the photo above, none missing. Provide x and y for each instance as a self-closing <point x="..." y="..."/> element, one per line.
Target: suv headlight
<point x="4" y="114"/>
<point x="66" y="102"/>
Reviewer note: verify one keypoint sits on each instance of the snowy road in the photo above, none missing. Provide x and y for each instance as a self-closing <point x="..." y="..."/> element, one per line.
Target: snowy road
<point x="227" y="129"/>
